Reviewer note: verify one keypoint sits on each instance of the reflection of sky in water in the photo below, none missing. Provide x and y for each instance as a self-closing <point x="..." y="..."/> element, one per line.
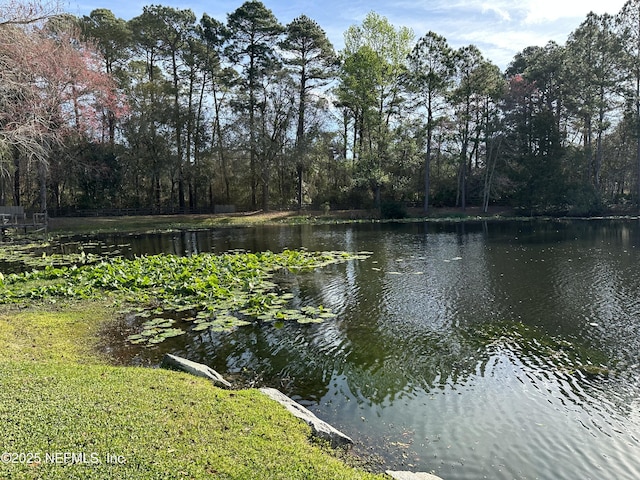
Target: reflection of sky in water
<point x="457" y="348"/>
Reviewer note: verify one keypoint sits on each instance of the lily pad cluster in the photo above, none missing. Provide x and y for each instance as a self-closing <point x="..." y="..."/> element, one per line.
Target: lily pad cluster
<point x="205" y="291"/>
<point x="29" y="256"/>
<point x="155" y="331"/>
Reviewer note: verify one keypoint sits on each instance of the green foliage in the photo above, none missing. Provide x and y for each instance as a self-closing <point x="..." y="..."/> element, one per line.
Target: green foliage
<point x="374" y="65"/>
<point x="57" y="396"/>
<point x="98" y="174"/>
<point x="393" y="210"/>
<point x="583" y="200"/>
<point x="111" y="36"/>
<point x="216" y="292"/>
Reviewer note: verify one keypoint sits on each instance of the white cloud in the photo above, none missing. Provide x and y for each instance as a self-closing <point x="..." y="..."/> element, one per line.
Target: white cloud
<point x="500" y="28"/>
<point x="501" y="12"/>
<point x="539" y="11"/>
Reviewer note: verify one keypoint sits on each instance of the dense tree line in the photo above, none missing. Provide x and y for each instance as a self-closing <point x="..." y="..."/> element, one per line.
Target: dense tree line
<point x="173" y="112"/>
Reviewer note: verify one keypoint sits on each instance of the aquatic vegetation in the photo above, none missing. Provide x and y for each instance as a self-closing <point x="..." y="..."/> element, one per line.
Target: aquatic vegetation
<point x="205" y="291"/>
<point x="156" y="331"/>
<point x="19" y="257"/>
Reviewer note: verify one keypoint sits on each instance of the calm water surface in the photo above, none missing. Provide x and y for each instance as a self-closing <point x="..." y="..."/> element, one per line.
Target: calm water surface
<point x="491" y="350"/>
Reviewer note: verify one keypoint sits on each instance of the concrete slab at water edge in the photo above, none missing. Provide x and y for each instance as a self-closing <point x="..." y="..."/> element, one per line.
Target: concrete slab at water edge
<point x="195" y="368"/>
<point x="319" y="427"/>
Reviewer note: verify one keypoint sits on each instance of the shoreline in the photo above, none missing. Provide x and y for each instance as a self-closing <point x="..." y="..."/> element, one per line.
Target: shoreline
<point x="176" y="222"/>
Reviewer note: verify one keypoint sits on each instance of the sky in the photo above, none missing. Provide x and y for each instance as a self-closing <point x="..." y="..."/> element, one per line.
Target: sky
<point x="499" y="28"/>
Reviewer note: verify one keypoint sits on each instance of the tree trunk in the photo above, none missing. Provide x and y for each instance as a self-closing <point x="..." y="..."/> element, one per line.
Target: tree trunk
<point x="300" y="148"/>
<point x="16" y="177"/>
<point x="427" y="159"/>
<point x="265" y="188"/>
<point x="42" y="173"/>
<point x="299" y="186"/>
<point x="492" y="160"/>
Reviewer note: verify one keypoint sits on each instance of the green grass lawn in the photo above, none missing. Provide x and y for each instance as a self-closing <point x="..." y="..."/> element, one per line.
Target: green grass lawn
<point x="67" y="414"/>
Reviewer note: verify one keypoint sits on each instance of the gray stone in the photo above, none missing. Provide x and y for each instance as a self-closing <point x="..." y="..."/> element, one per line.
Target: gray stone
<point x="195" y="368"/>
<point x="403" y="475"/>
<point x="319" y="428"/>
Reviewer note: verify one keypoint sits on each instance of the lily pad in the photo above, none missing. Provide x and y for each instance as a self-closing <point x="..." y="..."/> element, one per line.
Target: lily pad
<point x="172" y="332"/>
<point x="310" y="320"/>
<point x="201" y="326"/>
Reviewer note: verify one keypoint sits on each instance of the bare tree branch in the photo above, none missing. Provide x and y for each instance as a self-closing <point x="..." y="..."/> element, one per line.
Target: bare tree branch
<point x="15" y="12"/>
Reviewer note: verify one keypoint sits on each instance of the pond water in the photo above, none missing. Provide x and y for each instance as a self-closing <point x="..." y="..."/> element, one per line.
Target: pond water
<point x="500" y="350"/>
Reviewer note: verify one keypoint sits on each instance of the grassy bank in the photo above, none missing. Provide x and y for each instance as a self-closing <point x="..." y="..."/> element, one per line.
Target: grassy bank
<point x="67" y="414"/>
<point x="80" y="225"/>
<point x="162" y="222"/>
